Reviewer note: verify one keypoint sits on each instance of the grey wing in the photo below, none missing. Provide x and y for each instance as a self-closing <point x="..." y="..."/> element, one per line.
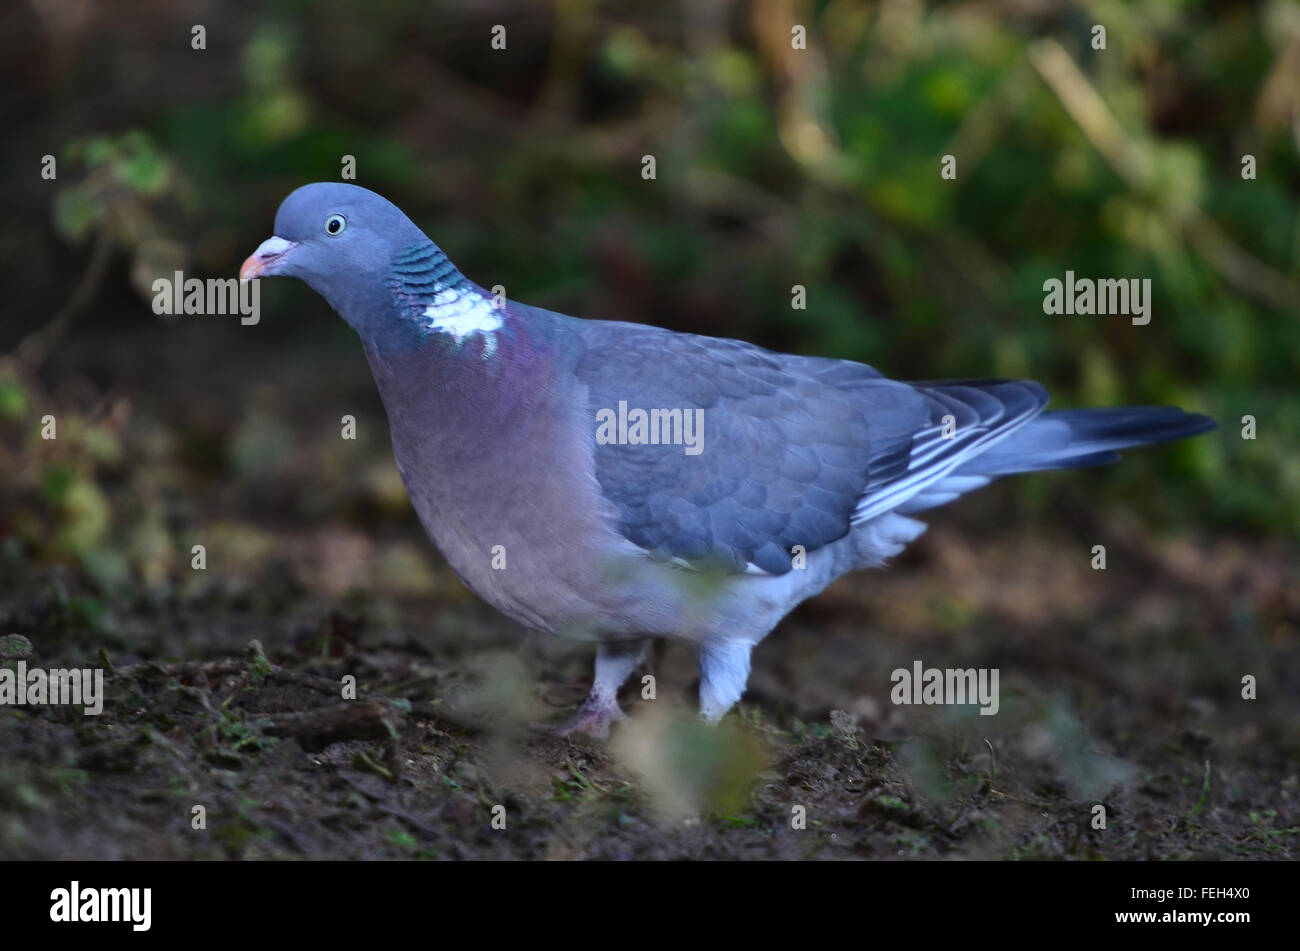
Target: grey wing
<point x="794" y="450"/>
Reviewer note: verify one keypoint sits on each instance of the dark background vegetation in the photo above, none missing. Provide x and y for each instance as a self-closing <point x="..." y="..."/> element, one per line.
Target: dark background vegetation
<point x="775" y="167"/>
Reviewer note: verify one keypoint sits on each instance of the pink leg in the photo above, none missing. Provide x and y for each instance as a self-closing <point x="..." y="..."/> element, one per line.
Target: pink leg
<point x="614" y="662"/>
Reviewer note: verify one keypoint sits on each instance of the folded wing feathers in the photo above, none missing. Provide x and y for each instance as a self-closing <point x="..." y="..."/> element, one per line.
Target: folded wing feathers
<point x="983" y="413"/>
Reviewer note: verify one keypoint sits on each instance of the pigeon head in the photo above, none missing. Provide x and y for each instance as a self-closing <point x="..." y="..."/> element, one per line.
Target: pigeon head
<point x="341" y="240"/>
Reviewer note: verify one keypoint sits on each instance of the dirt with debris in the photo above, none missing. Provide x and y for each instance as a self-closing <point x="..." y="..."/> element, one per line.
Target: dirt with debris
<point x="229" y="730"/>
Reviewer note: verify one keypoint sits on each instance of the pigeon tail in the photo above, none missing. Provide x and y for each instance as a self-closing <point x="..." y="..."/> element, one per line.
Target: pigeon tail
<point x="1065" y="439"/>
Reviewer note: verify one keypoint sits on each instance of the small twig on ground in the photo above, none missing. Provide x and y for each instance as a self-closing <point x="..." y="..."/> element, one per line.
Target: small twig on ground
<point x="301" y="678"/>
<point x="345" y="721"/>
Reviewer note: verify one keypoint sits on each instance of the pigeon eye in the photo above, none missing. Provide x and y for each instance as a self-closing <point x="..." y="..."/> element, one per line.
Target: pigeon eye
<point x="335" y="224"/>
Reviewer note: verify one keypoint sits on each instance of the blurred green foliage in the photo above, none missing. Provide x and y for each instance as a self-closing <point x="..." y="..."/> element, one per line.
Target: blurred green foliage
<point x="776" y="166"/>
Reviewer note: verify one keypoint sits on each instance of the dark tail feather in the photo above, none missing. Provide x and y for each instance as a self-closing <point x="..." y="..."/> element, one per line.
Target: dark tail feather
<point x="1084" y="437"/>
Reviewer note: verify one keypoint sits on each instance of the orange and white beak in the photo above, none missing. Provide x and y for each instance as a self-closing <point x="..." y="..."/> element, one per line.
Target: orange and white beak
<point x="262" y="262"/>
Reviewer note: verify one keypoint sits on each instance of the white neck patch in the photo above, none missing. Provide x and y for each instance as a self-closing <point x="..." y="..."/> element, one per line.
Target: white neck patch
<point x="463" y="314"/>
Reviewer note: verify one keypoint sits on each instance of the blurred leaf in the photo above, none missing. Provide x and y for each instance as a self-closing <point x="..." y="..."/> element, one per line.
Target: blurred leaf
<point x="13" y="399"/>
<point x="76" y="213"/>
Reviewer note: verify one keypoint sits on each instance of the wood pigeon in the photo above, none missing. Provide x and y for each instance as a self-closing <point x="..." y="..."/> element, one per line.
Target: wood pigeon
<point x="619" y="482"/>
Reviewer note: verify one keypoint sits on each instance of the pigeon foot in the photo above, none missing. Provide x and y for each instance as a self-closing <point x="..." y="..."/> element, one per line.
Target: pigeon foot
<point x="594" y="718"/>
